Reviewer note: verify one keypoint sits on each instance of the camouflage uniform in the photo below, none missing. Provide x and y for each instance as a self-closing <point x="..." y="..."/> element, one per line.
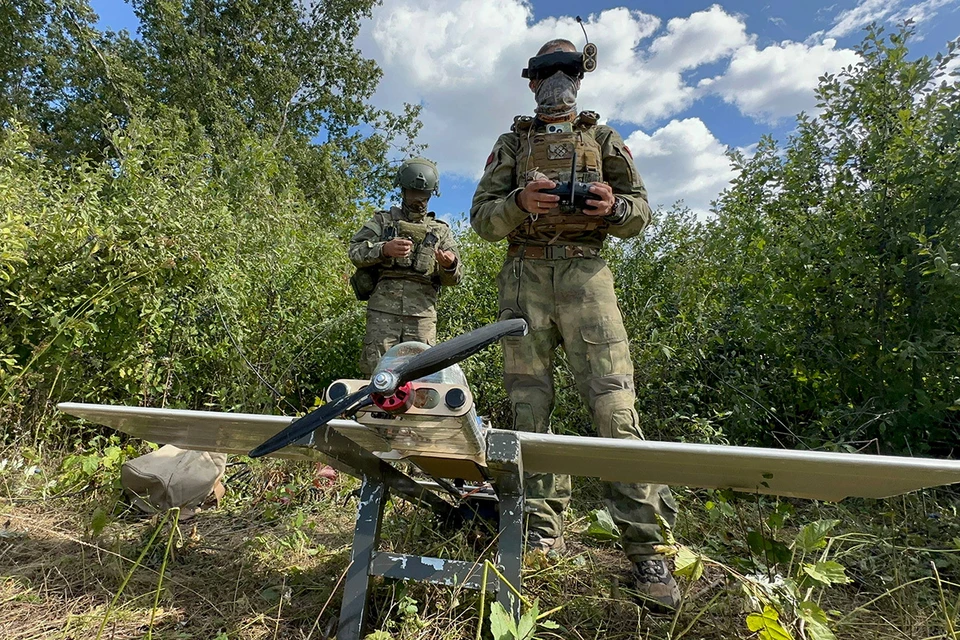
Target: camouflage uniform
<point x="403" y="305"/>
<point x="553" y="276"/>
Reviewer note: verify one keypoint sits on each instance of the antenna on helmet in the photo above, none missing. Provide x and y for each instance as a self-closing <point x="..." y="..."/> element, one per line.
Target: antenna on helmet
<point x="585" y="36"/>
<point x="589" y="49"/>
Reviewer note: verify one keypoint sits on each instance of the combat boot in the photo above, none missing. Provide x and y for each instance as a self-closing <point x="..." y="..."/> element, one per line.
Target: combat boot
<point x="655" y="584"/>
<point x="548" y="546"/>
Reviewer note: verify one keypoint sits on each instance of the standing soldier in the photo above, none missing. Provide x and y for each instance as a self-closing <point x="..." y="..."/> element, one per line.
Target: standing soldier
<point x="555" y="278"/>
<point x="403" y="256"/>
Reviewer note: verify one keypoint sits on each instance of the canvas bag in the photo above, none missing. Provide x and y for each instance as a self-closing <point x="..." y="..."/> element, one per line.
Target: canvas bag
<point x="171" y="477"/>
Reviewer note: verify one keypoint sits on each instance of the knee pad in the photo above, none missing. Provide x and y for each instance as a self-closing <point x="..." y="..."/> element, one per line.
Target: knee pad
<point x="615" y="416"/>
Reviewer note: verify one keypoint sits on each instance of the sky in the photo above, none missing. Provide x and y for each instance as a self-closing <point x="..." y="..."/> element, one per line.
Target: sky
<point x="681" y="80"/>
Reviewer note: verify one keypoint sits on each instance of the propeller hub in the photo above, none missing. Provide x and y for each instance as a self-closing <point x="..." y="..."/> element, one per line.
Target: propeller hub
<point x="385" y="382"/>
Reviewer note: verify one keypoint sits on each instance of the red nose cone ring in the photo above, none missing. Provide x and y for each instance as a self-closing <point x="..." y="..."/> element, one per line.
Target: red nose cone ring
<point x="400" y="401"/>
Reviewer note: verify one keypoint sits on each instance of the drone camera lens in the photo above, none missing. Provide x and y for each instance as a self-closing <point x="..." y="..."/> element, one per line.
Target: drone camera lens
<point x="455" y="398"/>
<point x="336" y="391"/>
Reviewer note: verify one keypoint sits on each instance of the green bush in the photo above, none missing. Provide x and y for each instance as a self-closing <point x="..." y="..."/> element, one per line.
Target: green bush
<point x="157" y="280"/>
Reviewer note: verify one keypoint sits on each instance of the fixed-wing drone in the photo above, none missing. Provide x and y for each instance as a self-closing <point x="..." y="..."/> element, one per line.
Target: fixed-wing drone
<point x="418" y="407"/>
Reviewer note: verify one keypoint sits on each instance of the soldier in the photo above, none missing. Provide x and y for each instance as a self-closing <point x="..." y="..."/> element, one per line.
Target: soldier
<point x="403" y="257"/>
<point x="555" y="278"/>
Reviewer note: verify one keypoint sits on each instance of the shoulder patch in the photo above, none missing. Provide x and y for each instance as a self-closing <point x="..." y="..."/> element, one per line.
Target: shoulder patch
<point x="489" y="159"/>
<point x="627" y="149"/>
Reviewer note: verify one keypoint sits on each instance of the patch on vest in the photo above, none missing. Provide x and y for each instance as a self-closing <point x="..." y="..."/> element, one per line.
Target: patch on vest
<point x="561" y="151"/>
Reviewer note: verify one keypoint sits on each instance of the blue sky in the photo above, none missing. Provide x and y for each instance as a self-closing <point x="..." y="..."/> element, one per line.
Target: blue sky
<point x="681" y="80"/>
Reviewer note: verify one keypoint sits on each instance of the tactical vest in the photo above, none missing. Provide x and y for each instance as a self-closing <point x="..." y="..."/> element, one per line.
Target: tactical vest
<point x="549" y="155"/>
<point x="425" y="236"/>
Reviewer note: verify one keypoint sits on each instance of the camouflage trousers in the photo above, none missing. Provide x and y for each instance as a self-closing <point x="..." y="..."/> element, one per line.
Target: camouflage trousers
<point x="571" y="302"/>
<point x="385" y="330"/>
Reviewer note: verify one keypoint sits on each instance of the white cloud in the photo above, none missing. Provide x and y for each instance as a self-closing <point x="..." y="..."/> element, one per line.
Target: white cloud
<point x="921" y="12"/>
<point x="682" y="160"/>
<point x="890" y="11"/>
<point x="777" y="81"/>
<point x="954" y="65"/>
<point x="461" y="60"/>
<point x="704" y="37"/>
<point x="860" y="16"/>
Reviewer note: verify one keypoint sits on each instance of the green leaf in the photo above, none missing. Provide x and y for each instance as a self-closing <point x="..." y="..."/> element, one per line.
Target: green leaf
<point x="502" y="626"/>
<point x="276" y="593"/>
<point x="528" y="623"/>
<point x="768" y="624"/>
<point x="827" y="573"/>
<point x="111" y="455"/>
<point x="814" y="535"/>
<point x="89" y="464"/>
<point x="688" y="563"/>
<point x="665" y="531"/>
<point x="602" y="526"/>
<point x="99" y="521"/>
<point x="770" y="551"/>
<point x="816" y="620"/>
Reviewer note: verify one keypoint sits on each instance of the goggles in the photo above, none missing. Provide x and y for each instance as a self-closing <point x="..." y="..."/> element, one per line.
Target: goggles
<point x="572" y="63"/>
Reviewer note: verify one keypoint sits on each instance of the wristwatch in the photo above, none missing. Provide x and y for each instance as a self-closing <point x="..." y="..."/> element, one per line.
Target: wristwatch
<point x="619" y="211"/>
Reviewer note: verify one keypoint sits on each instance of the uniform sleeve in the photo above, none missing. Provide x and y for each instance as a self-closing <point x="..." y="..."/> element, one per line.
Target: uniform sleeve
<point x="366" y="248"/>
<point x="495" y="212"/>
<point x="620" y="173"/>
<point x="452" y="276"/>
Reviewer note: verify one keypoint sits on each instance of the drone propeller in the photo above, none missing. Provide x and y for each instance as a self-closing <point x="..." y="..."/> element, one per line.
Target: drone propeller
<point x="386" y="382"/>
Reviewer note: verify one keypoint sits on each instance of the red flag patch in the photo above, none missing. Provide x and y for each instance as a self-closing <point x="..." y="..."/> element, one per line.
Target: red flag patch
<point x="629" y="153"/>
<point x="490" y="159"/>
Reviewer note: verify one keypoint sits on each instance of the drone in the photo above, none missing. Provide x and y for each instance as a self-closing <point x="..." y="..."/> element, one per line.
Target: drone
<point x="418" y="408"/>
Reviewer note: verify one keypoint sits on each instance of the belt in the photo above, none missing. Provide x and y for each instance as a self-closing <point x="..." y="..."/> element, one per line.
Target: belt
<point x="551" y="251"/>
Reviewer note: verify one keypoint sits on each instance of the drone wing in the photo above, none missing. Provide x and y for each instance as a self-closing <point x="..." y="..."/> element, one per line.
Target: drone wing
<point x="802" y="474"/>
<point x="235" y="433"/>
<point x="817" y="475"/>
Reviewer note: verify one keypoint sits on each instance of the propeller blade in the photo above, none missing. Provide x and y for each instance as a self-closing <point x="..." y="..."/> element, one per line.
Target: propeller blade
<point x="312" y="421"/>
<point x="454" y="350"/>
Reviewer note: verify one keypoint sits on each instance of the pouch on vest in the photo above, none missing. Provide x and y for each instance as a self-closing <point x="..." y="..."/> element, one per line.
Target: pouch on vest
<point x="415" y="232"/>
<point x="426" y="258"/>
<point x="171" y="477"/>
<point x="364" y="281"/>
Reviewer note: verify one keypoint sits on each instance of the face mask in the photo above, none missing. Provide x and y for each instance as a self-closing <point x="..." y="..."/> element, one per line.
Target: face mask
<point x="557" y="96"/>
<point x="415" y="203"/>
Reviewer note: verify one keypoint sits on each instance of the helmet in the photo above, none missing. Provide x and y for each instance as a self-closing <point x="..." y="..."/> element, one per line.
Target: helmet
<point x="418" y="173"/>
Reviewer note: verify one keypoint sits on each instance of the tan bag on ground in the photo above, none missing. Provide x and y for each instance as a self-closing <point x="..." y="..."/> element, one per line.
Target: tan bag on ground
<point x="170" y="477"/>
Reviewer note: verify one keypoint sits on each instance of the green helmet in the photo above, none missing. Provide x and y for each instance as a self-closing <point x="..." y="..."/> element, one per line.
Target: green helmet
<point x="418" y="173"/>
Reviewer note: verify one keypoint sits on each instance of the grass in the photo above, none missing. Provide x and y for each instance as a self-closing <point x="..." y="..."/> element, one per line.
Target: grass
<point x="268" y="563"/>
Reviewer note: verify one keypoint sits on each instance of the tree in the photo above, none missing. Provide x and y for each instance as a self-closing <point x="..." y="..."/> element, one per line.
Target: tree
<point x="825" y="293"/>
<point x="282" y="70"/>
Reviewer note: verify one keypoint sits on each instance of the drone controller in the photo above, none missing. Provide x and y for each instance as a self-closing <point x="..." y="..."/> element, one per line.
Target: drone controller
<point x="573" y="194"/>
